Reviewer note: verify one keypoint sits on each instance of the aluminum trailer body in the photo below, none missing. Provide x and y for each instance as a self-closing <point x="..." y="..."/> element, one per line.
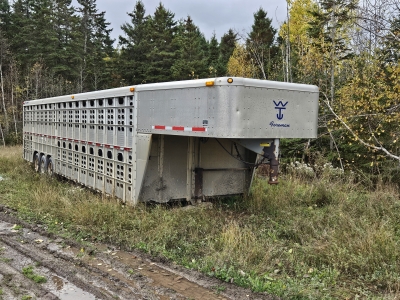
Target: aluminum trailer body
<point x="165" y="141"/>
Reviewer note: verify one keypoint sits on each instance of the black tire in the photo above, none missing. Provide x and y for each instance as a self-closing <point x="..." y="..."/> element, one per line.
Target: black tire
<point x="43" y="163"/>
<point x="36" y="163"/>
<point x="50" y="167"/>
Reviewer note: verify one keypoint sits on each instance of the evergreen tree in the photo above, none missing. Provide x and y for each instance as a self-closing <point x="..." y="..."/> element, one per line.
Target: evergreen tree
<point x="44" y="35"/>
<point x="191" y="61"/>
<point x="227" y="46"/>
<point x="391" y="48"/>
<point x="95" y="47"/>
<point x="21" y="27"/>
<point x="162" y="50"/>
<point x="132" y="60"/>
<point x="260" y="43"/>
<point x="66" y="25"/>
<point x="4" y="16"/>
<point x="214" y="67"/>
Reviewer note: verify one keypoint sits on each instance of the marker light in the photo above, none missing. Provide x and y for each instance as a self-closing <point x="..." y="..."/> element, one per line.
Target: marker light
<point x="132" y="89"/>
<point x="265" y="144"/>
<point x="230" y="80"/>
<point x="72" y="97"/>
<point x="209" y="83"/>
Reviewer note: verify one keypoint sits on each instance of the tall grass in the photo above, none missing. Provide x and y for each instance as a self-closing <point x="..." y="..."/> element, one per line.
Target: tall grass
<point x="306" y="238"/>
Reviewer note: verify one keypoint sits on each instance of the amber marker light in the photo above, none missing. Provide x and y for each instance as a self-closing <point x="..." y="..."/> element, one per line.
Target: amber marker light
<point x="72" y="97"/>
<point x="132" y="89"/>
<point x="230" y="80"/>
<point x="209" y="83"/>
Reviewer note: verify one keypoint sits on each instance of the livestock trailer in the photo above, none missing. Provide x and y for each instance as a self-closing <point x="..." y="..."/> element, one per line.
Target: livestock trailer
<point x="169" y="141"/>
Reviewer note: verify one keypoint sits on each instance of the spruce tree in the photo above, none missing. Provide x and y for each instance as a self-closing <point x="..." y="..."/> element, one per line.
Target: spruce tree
<point x="260" y="43"/>
<point x="132" y="61"/>
<point x="227" y="45"/>
<point x="214" y="68"/>
<point x="5" y="16"/>
<point x="191" y="61"/>
<point x="95" y="47"/>
<point x="66" y="25"/>
<point x="21" y="27"/>
<point x="162" y="49"/>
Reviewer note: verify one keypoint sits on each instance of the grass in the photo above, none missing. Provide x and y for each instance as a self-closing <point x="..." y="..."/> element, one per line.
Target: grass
<point x="28" y="273"/>
<point x="306" y="238"/>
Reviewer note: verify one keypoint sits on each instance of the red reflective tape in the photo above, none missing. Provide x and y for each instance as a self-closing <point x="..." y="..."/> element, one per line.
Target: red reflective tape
<point x="117" y="147"/>
<point x="127" y="149"/>
<point x="179" y="128"/>
<point x="198" y="129"/>
<point x="90" y="143"/>
<point x="159" y="127"/>
<point x="98" y="144"/>
<point x="107" y="146"/>
<point x="76" y="141"/>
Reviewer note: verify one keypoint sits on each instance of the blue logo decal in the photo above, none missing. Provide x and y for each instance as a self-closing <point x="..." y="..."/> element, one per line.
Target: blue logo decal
<point x="280" y="106"/>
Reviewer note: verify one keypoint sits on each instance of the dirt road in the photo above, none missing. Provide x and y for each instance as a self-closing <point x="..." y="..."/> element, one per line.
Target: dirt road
<point x="98" y="272"/>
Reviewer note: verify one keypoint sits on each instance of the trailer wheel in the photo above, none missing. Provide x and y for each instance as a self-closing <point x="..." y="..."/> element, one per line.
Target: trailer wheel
<point x="49" y="167"/>
<point x="43" y="163"/>
<point x="36" y="163"/>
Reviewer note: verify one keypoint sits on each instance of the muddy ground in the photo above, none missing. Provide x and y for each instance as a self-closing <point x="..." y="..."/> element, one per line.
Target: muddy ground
<point x="95" y="271"/>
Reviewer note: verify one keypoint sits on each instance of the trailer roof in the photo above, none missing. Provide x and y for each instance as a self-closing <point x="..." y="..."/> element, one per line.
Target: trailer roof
<point x="219" y="81"/>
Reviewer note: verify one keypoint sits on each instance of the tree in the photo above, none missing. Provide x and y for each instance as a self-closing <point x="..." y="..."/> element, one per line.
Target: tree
<point x="3" y="55"/>
<point x="329" y="29"/>
<point x="295" y="42"/>
<point x="132" y="60"/>
<point x="191" y="61"/>
<point x="214" y="66"/>
<point x="96" y="46"/>
<point x="226" y="47"/>
<point x="240" y="63"/>
<point x="370" y="105"/>
<point x="260" y="43"/>
<point x="5" y="14"/>
<point x="162" y="49"/>
<point x="391" y="46"/>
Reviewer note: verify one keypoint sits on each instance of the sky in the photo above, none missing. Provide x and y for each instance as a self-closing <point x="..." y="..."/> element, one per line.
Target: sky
<point x="209" y="16"/>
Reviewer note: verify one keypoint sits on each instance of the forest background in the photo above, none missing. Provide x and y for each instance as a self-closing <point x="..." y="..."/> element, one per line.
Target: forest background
<point x="348" y="48"/>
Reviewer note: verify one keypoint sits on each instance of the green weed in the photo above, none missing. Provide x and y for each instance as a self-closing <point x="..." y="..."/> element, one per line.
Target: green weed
<point x="28" y="273"/>
<point x="4" y="259"/>
<point x="219" y="288"/>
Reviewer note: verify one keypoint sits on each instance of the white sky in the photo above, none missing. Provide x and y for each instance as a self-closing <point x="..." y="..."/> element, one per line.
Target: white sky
<point x="209" y="16"/>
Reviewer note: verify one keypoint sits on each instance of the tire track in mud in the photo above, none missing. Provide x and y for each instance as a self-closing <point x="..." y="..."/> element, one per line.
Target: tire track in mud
<point x="98" y="273"/>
